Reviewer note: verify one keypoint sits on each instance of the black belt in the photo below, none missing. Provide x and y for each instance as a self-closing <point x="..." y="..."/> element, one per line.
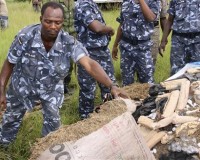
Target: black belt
<point x="133" y="41"/>
<point x="97" y="48"/>
<point x="187" y="35"/>
<point x="4" y="17"/>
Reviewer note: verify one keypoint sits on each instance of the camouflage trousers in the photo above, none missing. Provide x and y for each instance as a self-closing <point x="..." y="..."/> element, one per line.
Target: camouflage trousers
<point x="16" y="110"/>
<point x="88" y="83"/>
<point x="3" y="22"/>
<point x="155" y="38"/>
<point x="136" y="59"/>
<point x="183" y="51"/>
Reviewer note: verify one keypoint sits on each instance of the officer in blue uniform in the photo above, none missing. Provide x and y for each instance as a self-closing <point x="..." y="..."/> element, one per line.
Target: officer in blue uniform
<point x="184" y="21"/>
<point x="95" y="36"/>
<point x="133" y="37"/>
<point x="37" y="62"/>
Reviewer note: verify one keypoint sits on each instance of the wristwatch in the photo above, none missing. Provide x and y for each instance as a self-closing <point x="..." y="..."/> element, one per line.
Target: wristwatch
<point x="113" y="84"/>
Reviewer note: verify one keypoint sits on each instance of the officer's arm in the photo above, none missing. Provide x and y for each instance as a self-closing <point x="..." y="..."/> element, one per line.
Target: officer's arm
<point x="163" y="13"/>
<point x="167" y="28"/>
<point x="162" y="22"/>
<point x="118" y="36"/>
<point x="148" y="14"/>
<point x="6" y="71"/>
<point x="101" y="28"/>
<point x="166" y="32"/>
<point x="117" y="40"/>
<point x="95" y="70"/>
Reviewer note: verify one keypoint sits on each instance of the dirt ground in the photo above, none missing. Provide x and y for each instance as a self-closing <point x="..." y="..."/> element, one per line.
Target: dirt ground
<point x="109" y="111"/>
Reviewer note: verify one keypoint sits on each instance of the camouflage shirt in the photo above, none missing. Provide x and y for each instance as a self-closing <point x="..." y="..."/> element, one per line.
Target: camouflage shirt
<point x="36" y="71"/>
<point x="186" y="15"/>
<point x="134" y="25"/>
<point x="86" y="11"/>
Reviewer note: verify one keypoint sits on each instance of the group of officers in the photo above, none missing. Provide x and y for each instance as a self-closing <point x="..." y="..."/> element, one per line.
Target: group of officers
<point x="39" y="63"/>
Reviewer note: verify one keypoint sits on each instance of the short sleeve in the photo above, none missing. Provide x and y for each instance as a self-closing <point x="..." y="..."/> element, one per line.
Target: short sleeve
<point x="85" y="13"/>
<point x="15" y="50"/>
<point x="78" y="52"/>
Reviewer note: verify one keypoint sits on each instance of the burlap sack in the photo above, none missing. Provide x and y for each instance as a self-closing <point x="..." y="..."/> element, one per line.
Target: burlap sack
<point x="119" y="139"/>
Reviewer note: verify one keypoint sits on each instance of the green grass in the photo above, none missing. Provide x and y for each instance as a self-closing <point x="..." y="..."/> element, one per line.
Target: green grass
<point x="20" y="15"/>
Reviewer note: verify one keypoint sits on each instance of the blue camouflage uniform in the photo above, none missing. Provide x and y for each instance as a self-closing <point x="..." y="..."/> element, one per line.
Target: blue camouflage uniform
<point x="37" y="75"/>
<point x="135" y="44"/>
<point x="97" y="45"/>
<point x="185" y="43"/>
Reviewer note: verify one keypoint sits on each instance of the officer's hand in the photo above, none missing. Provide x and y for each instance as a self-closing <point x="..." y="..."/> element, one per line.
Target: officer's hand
<point x="112" y="32"/>
<point x="2" y="102"/>
<point x="118" y="92"/>
<point x="114" y="53"/>
<point x="162" y="47"/>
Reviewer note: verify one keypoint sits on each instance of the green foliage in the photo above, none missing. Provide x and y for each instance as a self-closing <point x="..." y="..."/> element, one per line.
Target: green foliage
<point x="20" y="15"/>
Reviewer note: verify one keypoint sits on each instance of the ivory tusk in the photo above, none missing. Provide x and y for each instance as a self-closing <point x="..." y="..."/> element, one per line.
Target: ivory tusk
<point x="183" y="96"/>
<point x="167" y="138"/>
<point x="145" y="121"/>
<point x="155" y="139"/>
<point x="183" y="119"/>
<point x="193" y="70"/>
<point x="171" y="104"/>
<point x="163" y="122"/>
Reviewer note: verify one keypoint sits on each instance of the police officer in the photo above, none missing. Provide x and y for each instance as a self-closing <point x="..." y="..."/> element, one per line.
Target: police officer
<point x="133" y="36"/>
<point x="184" y="22"/>
<point x="3" y="15"/>
<point x="68" y="26"/>
<point x="156" y="33"/>
<point x="37" y="62"/>
<point x="95" y="36"/>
